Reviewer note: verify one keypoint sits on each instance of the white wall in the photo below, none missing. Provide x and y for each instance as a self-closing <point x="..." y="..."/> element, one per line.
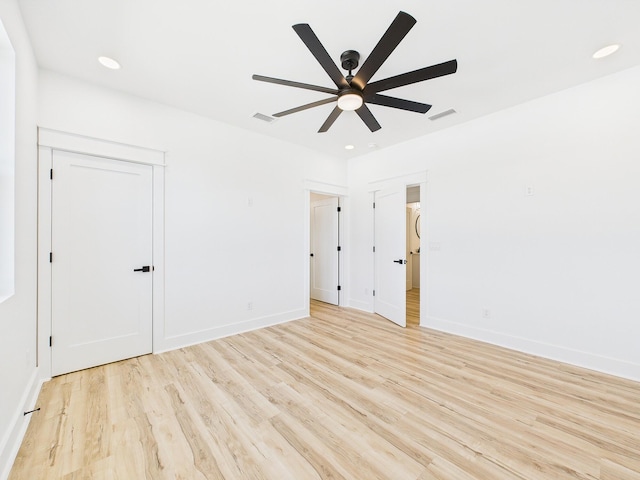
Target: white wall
<point x="235" y="208"/>
<point x="558" y="271"/>
<point x="7" y="164"/>
<point x="18" y="373"/>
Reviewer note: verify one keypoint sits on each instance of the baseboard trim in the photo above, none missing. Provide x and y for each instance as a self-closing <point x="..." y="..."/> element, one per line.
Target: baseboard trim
<point x="12" y="440"/>
<point x="611" y="366"/>
<point x="359" y="305"/>
<point x="194" y="338"/>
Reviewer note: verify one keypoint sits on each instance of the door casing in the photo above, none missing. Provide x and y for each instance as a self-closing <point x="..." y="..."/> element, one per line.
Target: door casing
<point x="339" y="191"/>
<point x="50" y="140"/>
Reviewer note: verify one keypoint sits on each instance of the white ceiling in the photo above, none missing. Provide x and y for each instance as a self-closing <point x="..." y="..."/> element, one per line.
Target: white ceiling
<point x="199" y="55"/>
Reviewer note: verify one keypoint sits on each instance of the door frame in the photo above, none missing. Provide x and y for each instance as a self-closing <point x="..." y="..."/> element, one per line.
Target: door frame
<point x="341" y="192"/>
<point x="51" y="140"/>
<point x="408" y="180"/>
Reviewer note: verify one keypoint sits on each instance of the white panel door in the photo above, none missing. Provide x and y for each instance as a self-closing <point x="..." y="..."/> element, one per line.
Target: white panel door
<point x="324" y="250"/>
<point x="408" y="252"/>
<point x="390" y="263"/>
<point x="101" y="308"/>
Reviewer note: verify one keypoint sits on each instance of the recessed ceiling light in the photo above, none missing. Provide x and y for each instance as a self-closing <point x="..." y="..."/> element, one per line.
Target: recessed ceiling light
<point x="109" y="63"/>
<point x="606" y="51"/>
<point x="349" y="147"/>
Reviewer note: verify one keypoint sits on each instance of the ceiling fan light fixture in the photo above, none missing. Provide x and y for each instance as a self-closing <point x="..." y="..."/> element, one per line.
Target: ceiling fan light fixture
<point x="350" y="100"/>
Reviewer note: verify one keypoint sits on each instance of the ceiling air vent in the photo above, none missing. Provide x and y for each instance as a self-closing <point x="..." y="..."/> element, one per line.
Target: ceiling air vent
<point x="264" y="118"/>
<point x="437" y="116"/>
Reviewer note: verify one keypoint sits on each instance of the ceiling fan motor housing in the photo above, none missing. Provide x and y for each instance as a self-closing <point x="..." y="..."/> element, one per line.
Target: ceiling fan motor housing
<point x="350" y="60"/>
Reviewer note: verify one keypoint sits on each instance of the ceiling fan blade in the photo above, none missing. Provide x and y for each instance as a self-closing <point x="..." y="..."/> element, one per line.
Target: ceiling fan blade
<point x="427" y="73"/>
<point x="290" y="83"/>
<point x="387" y="44"/>
<point x="333" y="116"/>
<point x="367" y="117"/>
<point x="317" y="49"/>
<point x="304" y="107"/>
<point x="393" y="102"/>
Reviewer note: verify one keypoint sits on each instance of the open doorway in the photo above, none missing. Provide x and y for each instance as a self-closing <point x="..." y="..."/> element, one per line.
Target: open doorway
<point x="324" y="248"/>
<point x="391" y="229"/>
<point x="413" y="255"/>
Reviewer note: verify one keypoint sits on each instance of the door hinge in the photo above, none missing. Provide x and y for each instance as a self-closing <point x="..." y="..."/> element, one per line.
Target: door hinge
<point x="50" y="257"/>
<point x="339" y="287"/>
<point x="374" y="249"/>
<point x="374" y="204"/>
<point x="339" y="248"/>
<point x="51" y="341"/>
<point x="339" y="209"/>
<point x="374" y="293"/>
<point x="51" y="174"/>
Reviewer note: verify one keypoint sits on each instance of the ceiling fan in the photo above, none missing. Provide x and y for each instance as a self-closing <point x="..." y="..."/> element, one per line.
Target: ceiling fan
<point x="354" y="92"/>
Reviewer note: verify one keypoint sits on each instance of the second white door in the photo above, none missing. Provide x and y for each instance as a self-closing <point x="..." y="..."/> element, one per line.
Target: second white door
<point x="324" y="250"/>
<point x="102" y="261"/>
<point x="390" y="250"/>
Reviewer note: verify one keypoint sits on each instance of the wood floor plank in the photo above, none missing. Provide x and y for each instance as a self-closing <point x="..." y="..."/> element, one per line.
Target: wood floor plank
<point x="341" y="395"/>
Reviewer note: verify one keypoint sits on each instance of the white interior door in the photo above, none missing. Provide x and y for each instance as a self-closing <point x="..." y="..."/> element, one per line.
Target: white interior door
<point x="324" y="256"/>
<point x="390" y="263"/>
<point x="408" y="252"/>
<point x="101" y="231"/>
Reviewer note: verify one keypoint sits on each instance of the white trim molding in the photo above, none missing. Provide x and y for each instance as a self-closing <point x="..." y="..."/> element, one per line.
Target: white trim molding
<point x="10" y="443"/>
<point x="326" y="188"/>
<point x="600" y="363"/>
<point x="202" y="336"/>
<point x="71" y="142"/>
<point x="417" y="178"/>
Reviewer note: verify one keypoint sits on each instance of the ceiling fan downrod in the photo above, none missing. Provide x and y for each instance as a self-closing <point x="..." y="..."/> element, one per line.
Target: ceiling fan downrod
<point x="350" y="60"/>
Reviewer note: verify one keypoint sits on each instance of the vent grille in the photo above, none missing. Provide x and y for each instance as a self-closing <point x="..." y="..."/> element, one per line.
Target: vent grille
<point x="264" y="118"/>
<point x="437" y="116"/>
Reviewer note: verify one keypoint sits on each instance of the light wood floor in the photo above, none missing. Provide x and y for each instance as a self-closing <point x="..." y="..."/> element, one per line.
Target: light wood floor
<point x="341" y="395"/>
<point x="413" y="307"/>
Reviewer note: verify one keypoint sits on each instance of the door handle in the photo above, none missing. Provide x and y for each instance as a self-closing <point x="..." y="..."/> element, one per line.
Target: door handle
<point x="401" y="262"/>
<point x="146" y="268"/>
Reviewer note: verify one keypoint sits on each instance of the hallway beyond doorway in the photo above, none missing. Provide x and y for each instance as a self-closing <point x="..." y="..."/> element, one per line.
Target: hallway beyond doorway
<point x="413" y="307"/>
